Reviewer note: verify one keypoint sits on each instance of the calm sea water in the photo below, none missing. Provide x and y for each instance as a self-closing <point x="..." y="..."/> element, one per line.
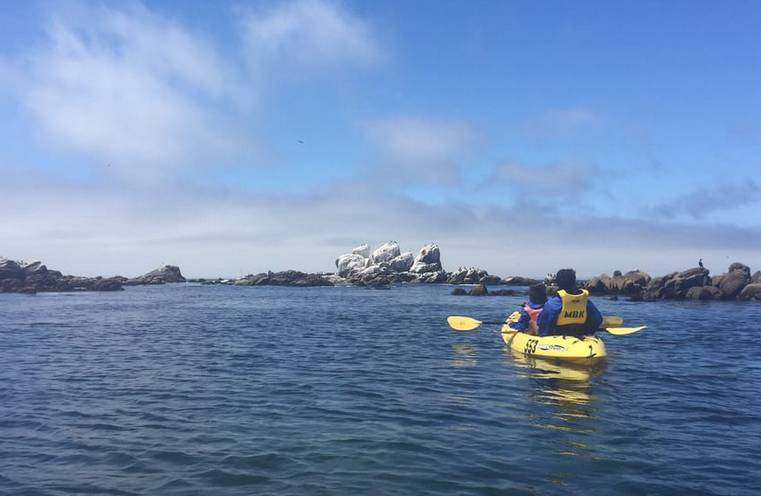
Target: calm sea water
<point x="222" y="390"/>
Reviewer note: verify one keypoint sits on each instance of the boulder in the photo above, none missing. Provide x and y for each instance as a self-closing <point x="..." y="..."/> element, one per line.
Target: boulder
<point x="677" y="284"/>
<point x="402" y="263"/>
<point x="739" y="266"/>
<point x="520" y="281"/>
<point x="428" y="260"/>
<point x="386" y="252"/>
<point x="465" y="275"/>
<point x="732" y="283"/>
<point x="750" y="292"/>
<point x="631" y="283"/>
<point x="479" y="290"/>
<point x="492" y="280"/>
<point x="503" y="292"/>
<point x="162" y="275"/>
<point x="34" y="268"/>
<point x="756" y="277"/>
<point x="346" y="264"/>
<point x="284" y="278"/>
<point x="362" y="250"/>
<point x="10" y="269"/>
<point x="459" y="292"/>
<point x="703" y="293"/>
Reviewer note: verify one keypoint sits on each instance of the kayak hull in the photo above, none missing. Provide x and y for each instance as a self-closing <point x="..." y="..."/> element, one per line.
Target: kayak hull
<point x="569" y="348"/>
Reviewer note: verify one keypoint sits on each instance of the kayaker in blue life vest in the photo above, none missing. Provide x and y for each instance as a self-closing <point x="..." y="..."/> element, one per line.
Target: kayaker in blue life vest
<point x="570" y="313"/>
<point x="537" y="297"/>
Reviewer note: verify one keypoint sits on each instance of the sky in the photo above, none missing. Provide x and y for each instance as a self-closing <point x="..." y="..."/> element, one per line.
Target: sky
<point x="522" y="137"/>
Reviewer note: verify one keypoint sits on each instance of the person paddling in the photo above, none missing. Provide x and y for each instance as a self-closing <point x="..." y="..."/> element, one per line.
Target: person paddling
<point x="570" y="313"/>
<point x="537" y="297"/>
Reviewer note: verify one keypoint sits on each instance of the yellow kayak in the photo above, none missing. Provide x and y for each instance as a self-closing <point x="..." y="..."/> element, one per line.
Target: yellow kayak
<point x="572" y="348"/>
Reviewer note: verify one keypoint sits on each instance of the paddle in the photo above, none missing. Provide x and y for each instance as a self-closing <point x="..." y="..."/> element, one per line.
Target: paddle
<point x="463" y="323"/>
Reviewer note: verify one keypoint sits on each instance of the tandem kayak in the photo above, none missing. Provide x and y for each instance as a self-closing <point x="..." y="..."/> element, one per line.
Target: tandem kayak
<point x="571" y="348"/>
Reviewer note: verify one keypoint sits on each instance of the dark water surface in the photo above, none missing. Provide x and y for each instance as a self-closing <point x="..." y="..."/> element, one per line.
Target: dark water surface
<point x="222" y="390"/>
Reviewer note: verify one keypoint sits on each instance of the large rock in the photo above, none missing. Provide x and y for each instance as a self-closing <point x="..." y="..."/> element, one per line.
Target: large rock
<point x="703" y="293"/>
<point x="733" y="283"/>
<point x="35" y="277"/>
<point x="756" y="277"/>
<point x="479" y="290"/>
<point x="632" y="283"/>
<point x="428" y="260"/>
<point x="347" y="264"/>
<point x="386" y="252"/>
<point x="750" y="292"/>
<point x="520" y="281"/>
<point x="676" y="285"/>
<point x="362" y="250"/>
<point x="402" y="263"/>
<point x="162" y="275"/>
<point x="10" y="269"/>
<point x="465" y="275"/>
<point x="284" y="278"/>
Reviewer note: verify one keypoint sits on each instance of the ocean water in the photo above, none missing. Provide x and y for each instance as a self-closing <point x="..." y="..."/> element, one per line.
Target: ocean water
<point x="186" y="389"/>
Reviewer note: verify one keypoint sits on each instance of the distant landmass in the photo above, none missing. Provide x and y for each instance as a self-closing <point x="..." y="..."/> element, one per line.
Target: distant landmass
<point x="388" y="265"/>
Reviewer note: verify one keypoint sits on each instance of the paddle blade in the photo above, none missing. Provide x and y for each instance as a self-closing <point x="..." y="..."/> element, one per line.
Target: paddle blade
<point x="612" y="321"/>
<point x="623" y="331"/>
<point x="462" y="323"/>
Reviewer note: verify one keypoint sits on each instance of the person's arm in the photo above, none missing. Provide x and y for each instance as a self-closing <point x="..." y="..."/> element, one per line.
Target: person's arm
<point x="546" y="319"/>
<point x="594" y="319"/>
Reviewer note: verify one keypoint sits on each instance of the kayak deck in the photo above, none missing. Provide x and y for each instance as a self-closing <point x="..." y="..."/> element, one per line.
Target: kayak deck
<point x="580" y="349"/>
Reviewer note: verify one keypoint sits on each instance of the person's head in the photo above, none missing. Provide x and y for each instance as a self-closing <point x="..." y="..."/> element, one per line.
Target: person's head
<point x="566" y="279"/>
<point x="537" y="294"/>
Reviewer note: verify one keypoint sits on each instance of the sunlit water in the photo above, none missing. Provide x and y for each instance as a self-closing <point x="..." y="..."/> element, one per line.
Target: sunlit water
<point x="223" y="390"/>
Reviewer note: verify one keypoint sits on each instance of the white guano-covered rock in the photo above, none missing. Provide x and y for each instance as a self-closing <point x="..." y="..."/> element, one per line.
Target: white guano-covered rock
<point x="362" y="250"/>
<point x="346" y="264"/>
<point x="428" y="260"/>
<point x="386" y="252"/>
<point x="402" y="263"/>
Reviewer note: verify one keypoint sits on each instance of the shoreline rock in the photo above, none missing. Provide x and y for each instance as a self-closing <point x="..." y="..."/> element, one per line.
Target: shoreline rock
<point x="34" y="277"/>
<point x="162" y="275"/>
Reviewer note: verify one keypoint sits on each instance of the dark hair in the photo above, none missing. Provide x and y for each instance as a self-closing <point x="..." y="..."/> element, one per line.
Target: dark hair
<point x="566" y="279"/>
<point x="537" y="294"/>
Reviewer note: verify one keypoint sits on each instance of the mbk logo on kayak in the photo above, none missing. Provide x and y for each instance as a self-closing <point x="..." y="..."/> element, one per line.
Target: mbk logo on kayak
<point x="575" y="314"/>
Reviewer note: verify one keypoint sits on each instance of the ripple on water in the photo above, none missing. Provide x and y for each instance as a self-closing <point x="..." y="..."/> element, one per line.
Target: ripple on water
<point x="227" y="390"/>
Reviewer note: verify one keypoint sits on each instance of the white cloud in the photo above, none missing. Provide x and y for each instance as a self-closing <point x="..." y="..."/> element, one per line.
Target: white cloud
<point x="561" y="178"/>
<point x="309" y="33"/>
<point x="423" y="149"/>
<point x="133" y="90"/>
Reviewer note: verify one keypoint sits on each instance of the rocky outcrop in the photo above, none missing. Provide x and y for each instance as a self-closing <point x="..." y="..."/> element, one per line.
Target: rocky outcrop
<point x="388" y="265"/>
<point x="750" y="292"/>
<point x="19" y="277"/>
<point x="675" y="286"/>
<point x="162" y="275"/>
<point x="520" y="281"/>
<point x="733" y="281"/>
<point x="756" y="277"/>
<point x="630" y="284"/>
<point x="472" y="275"/>
<point x="284" y="278"/>
<point x="703" y="293"/>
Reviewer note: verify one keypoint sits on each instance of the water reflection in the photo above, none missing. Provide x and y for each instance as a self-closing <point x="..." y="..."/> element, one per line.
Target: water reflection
<point x="464" y="355"/>
<point x="567" y="389"/>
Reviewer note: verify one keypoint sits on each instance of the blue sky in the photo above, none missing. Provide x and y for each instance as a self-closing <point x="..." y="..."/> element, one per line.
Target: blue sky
<point x="245" y="136"/>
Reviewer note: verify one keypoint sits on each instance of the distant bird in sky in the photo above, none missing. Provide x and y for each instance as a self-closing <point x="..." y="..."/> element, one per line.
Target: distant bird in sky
<point x="301" y="142"/>
<point x="700" y="263"/>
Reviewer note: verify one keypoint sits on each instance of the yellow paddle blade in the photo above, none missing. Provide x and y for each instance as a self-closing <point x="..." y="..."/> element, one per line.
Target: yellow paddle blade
<point x="462" y="323"/>
<point x="612" y="321"/>
<point x="623" y="331"/>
